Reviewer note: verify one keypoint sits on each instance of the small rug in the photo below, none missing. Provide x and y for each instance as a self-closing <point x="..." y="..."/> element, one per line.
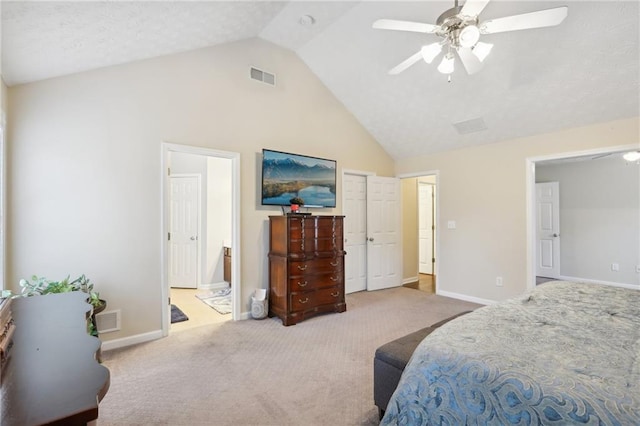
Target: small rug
<point x="220" y="300"/>
<point x="177" y="315"/>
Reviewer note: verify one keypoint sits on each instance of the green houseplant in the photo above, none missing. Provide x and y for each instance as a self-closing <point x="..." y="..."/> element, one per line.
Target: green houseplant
<point x="42" y="286"/>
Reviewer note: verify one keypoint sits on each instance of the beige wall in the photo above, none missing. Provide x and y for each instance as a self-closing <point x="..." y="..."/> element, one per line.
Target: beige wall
<point x="3" y="95"/>
<point x="85" y="159"/>
<point x="484" y="190"/>
<point x="410" y="258"/>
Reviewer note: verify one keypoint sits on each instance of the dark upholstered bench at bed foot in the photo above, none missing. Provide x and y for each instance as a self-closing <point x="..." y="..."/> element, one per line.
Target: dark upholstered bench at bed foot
<point x="391" y="359"/>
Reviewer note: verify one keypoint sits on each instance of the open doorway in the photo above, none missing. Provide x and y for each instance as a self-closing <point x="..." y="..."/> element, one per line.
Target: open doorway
<point x="419" y="195"/>
<point x="598" y="231"/>
<point x="201" y="237"/>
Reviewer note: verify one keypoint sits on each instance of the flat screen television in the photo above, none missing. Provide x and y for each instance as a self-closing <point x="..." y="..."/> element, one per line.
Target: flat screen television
<point x="286" y="175"/>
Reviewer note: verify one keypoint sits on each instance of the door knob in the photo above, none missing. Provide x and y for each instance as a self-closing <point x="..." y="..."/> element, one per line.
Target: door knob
<point x="555" y="235"/>
<point x="371" y="239"/>
<point x="193" y="238"/>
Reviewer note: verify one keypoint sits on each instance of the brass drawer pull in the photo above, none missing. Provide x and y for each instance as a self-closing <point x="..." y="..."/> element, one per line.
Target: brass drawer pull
<point x="334" y="279"/>
<point x="302" y="284"/>
<point x="302" y="268"/>
<point x="306" y="299"/>
<point x="335" y="264"/>
<point x="336" y="294"/>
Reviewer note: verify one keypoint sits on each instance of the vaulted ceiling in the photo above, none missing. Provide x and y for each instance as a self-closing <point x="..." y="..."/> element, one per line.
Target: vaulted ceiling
<point x="586" y="70"/>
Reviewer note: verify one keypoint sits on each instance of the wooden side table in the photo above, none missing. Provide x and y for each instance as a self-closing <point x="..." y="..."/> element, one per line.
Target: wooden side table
<point x="52" y="376"/>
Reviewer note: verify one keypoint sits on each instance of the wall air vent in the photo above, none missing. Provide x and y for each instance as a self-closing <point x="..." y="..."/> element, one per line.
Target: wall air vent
<point x="263" y="76"/>
<point x="470" y="126"/>
<point x="108" y="321"/>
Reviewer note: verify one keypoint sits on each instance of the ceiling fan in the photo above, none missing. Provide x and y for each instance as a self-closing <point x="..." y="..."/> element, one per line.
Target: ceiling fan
<point x="460" y="31"/>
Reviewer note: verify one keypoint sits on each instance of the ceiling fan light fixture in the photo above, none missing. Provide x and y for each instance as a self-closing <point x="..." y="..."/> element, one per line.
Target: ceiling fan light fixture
<point x="482" y="50"/>
<point x="430" y="51"/>
<point x="469" y="36"/>
<point x="447" y="65"/>
<point x="631" y="156"/>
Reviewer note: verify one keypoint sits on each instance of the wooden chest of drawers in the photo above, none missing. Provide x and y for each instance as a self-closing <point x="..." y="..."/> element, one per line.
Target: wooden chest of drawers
<point x="306" y="266"/>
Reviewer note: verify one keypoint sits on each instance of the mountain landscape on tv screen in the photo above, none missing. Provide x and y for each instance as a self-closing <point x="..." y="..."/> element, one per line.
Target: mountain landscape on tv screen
<point x="285" y="178"/>
<point x="290" y="169"/>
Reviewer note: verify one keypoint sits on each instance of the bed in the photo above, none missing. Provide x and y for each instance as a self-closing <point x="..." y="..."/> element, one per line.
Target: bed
<point x="565" y="353"/>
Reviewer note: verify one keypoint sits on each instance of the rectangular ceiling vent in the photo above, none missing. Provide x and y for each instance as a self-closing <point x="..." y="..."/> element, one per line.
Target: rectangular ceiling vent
<point x="263" y="76"/>
<point x="470" y="126"/>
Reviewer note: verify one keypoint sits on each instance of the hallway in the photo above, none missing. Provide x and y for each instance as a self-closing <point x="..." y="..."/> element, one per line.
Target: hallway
<point x="426" y="283"/>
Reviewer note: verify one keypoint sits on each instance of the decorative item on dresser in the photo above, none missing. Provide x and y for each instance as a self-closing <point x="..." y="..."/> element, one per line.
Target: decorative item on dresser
<point x="306" y="266"/>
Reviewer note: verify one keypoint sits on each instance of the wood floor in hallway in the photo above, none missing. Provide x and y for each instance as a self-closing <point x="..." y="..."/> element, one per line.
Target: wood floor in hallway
<point x="426" y="283"/>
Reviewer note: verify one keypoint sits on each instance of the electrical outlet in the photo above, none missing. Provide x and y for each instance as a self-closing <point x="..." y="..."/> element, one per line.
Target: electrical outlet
<point x="638" y="269"/>
<point x="451" y="224"/>
<point x="498" y="281"/>
<point x="615" y="267"/>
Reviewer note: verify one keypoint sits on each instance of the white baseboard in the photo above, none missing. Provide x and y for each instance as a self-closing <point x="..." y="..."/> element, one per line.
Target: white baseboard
<point x="145" y="337"/>
<point x="466" y="298"/>
<point x="589" y="281"/>
<point x="410" y="280"/>
<point x="131" y="340"/>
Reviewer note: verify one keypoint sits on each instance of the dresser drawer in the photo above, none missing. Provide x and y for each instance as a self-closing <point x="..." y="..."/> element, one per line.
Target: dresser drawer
<point x="316" y="266"/>
<point x="314" y="282"/>
<point x="313" y="299"/>
<point x="314" y="235"/>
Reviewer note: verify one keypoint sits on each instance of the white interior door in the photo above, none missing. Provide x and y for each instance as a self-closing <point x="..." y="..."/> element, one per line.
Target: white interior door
<point x="548" y="229"/>
<point x="384" y="248"/>
<point x="425" y="228"/>
<point x="183" y="231"/>
<point x="354" y="190"/>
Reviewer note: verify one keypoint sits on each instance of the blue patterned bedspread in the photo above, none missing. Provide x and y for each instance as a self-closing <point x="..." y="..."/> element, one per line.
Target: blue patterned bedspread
<point x="565" y="353"/>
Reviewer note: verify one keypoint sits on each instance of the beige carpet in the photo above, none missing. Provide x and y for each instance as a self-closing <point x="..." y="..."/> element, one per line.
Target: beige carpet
<point x="318" y="372"/>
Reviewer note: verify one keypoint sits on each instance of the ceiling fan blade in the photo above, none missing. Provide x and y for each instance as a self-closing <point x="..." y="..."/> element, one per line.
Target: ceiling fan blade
<point x="406" y="63"/>
<point x="472" y="8"/>
<point x="539" y="19"/>
<point x="416" y="27"/>
<point x="470" y="61"/>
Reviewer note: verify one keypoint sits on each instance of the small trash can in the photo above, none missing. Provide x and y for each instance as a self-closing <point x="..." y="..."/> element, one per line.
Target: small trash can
<point x="259" y="306"/>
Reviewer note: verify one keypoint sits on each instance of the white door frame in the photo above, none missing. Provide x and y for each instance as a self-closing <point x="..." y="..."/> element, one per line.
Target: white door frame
<point x="436" y="235"/>
<point x="531" y="198"/>
<point x="167" y="148"/>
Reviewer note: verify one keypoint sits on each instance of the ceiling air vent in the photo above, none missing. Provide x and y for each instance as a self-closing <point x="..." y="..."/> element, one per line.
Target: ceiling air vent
<point x="470" y="126"/>
<point x="263" y="76"/>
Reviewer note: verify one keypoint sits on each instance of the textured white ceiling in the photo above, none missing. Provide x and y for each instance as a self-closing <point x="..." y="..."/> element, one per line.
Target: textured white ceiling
<point x="584" y="71"/>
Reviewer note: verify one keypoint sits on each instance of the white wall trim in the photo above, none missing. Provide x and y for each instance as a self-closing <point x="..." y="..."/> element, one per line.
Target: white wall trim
<point x="590" y="281"/>
<point x="466" y="298"/>
<point x="435" y="173"/>
<point x="530" y="165"/>
<point x="236" y="289"/>
<point x="356" y="172"/>
<point x="410" y="280"/>
<point x="131" y="340"/>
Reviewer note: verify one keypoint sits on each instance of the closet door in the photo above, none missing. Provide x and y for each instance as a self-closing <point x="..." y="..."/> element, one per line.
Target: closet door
<point x="384" y="238"/>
